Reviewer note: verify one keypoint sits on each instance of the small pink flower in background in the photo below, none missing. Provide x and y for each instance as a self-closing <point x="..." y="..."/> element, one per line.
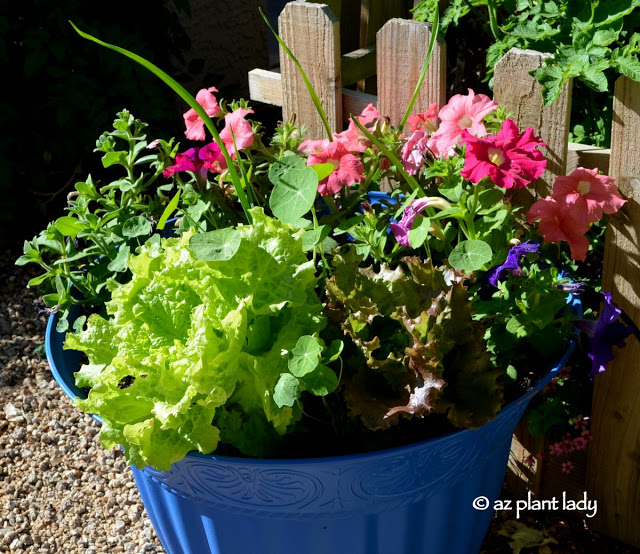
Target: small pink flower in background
<point x="153" y="144"/>
<point x="348" y="169"/>
<point x="557" y="449"/>
<point x="195" y="125"/>
<point x="242" y="131"/>
<point x="509" y="159"/>
<point x="425" y="121"/>
<point x="567" y="467"/>
<point x="558" y="223"/>
<point x="414" y="151"/>
<point x="588" y="194"/>
<point x="460" y="113"/>
<point x="580" y="422"/>
<point x="580" y="443"/>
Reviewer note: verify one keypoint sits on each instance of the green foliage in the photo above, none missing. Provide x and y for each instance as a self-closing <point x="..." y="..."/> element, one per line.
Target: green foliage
<point x="526" y="317"/>
<point x="592" y="42"/>
<point x="81" y="251"/>
<point x="181" y="324"/>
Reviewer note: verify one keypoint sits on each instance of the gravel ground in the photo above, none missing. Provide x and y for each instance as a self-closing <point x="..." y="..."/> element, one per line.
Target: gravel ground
<point x="61" y="492"/>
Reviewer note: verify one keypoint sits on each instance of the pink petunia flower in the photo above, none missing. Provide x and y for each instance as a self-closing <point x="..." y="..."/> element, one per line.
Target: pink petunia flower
<point x="313" y="146"/>
<point x="588" y="194"/>
<point x="195" y="125"/>
<point x="509" y="159"/>
<point x="460" y="113"/>
<point x="348" y="169"/>
<point x="425" y="121"/>
<point x="242" y="131"/>
<point x="414" y="152"/>
<point x="558" y="223"/>
<point x="352" y="137"/>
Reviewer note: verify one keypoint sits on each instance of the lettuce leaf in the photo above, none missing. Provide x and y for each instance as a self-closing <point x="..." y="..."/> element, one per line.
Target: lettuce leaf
<point x="422" y="352"/>
<point x="193" y="349"/>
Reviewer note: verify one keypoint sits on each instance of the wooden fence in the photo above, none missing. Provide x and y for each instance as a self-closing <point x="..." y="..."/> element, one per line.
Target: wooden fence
<point x="312" y="32"/>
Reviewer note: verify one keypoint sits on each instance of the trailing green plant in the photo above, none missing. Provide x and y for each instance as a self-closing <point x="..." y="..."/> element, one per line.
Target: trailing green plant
<point x="90" y="244"/>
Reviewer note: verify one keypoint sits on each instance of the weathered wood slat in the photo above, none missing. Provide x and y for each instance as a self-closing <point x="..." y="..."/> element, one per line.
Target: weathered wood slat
<point x="353" y="102"/>
<point x="358" y="65"/>
<point x="585" y="155"/>
<point x="311" y="32"/>
<point x="520" y="93"/>
<point x="266" y="87"/>
<point x="402" y="47"/>
<point x="614" y="455"/>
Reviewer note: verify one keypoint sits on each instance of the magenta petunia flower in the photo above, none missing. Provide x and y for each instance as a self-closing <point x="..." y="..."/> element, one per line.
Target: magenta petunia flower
<point x="587" y="194"/>
<point x="509" y="159"/>
<point x="195" y="125"/>
<point x="604" y="333"/>
<point x="557" y="223"/>
<point x="242" y="131"/>
<point x="401" y="230"/>
<point x="460" y="113"/>
<point x="348" y="169"/>
<point x="199" y="161"/>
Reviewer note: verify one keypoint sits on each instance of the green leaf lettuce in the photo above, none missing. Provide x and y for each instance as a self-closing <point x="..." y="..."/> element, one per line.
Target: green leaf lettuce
<point x="193" y="349"/>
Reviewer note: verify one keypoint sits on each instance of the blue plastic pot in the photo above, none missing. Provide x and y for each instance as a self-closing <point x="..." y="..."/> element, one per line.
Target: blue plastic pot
<point x="407" y="500"/>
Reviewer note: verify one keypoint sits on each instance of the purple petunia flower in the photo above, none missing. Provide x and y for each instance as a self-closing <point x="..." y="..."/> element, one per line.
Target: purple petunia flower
<point x="511" y="265"/>
<point x="604" y="333"/>
<point x="401" y="230"/>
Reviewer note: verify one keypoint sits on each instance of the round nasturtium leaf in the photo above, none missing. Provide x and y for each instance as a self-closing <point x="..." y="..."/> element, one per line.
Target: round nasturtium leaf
<point x="305" y="357"/>
<point x="215" y="246"/>
<point x="470" y="255"/>
<point x="294" y="191"/>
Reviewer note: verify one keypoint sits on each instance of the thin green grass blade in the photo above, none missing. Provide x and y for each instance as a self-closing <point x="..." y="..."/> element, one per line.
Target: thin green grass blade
<point x="435" y="28"/>
<point x="184" y="94"/>
<point x="314" y="96"/>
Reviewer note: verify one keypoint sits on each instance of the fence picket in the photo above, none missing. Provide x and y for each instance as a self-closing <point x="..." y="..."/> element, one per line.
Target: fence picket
<point x="614" y="455"/>
<point x="311" y="32"/>
<point x="402" y="47"/>
<point x="520" y="93"/>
